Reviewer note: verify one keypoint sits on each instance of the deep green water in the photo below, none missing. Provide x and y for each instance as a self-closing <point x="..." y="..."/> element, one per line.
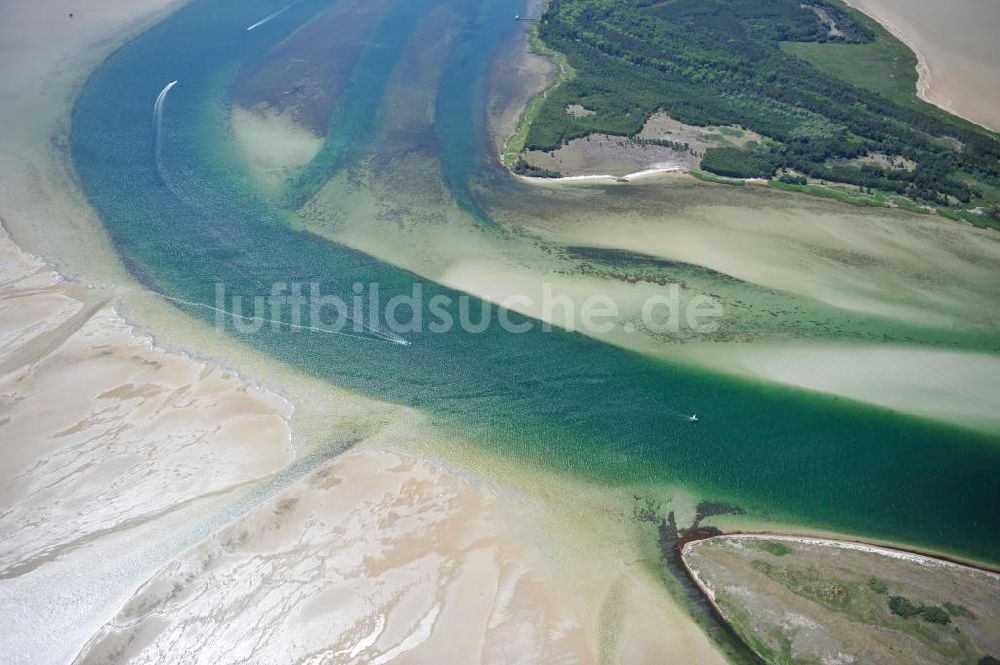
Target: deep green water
<point x="556" y="398"/>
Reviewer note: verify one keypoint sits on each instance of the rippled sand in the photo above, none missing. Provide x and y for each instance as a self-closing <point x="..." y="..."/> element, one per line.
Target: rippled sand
<point x="92" y="404"/>
<point x="153" y="507"/>
<point x="103" y="432"/>
<point x="374" y="557"/>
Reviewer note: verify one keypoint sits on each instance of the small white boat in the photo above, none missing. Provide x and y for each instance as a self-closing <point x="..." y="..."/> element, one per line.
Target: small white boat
<point x="693" y="417"/>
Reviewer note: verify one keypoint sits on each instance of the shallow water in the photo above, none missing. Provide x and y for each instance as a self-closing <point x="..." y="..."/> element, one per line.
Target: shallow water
<point x="959" y="46"/>
<point x="194" y="217"/>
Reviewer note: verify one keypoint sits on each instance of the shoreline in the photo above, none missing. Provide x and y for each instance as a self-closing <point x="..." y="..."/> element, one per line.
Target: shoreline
<point x="922" y="557"/>
<point x="925" y="77"/>
<point x="924" y="92"/>
<point x="152" y="297"/>
<point x="602" y="177"/>
<point x="54" y="221"/>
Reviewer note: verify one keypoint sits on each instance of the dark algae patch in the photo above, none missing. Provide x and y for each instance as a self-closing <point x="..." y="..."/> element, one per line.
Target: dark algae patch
<point x="678" y="581"/>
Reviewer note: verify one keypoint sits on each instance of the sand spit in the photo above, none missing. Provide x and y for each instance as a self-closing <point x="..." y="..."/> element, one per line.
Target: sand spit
<point x="375" y="557"/>
<point x="517" y="75"/>
<point x="605" y="177"/>
<point x="831" y="601"/>
<point x="902" y="555"/>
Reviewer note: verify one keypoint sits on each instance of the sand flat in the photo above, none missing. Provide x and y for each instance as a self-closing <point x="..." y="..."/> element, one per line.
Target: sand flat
<point x="375" y="556"/>
<point x="920" y="269"/>
<point x="146" y="402"/>
<point x="106" y="430"/>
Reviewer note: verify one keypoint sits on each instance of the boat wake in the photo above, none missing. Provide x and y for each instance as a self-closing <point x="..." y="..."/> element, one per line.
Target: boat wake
<point x="158" y="118"/>
<point x="373" y="336"/>
<point x="690" y="417"/>
<point x="269" y="17"/>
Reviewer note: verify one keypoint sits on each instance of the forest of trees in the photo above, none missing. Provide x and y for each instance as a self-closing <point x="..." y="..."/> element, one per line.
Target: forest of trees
<point x="719" y="62"/>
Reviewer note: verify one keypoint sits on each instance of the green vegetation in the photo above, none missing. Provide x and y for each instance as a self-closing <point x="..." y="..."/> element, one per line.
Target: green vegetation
<point x="935" y="615"/>
<point x="901" y="606"/>
<point x="775" y="548"/>
<point x="708" y="177"/>
<point x="884" y="65"/>
<point x="852" y="195"/>
<point x="515" y="144"/>
<point x="789" y="179"/>
<point x="521" y="167"/>
<point x="855" y="602"/>
<point x="905" y="608"/>
<point x="739" y="162"/>
<point x="776" y="67"/>
<point x="957" y="610"/>
<point x="878" y="586"/>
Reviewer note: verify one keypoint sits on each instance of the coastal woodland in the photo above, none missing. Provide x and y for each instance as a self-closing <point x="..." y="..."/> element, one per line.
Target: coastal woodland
<point x="725" y="62"/>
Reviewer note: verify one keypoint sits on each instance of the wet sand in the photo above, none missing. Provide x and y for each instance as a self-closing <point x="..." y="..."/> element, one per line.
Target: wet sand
<point x="273" y="144"/>
<point x="957" y="49"/>
<point x="374" y="557"/>
<point x="868" y="261"/>
<point x="105" y="434"/>
<point x="132" y="458"/>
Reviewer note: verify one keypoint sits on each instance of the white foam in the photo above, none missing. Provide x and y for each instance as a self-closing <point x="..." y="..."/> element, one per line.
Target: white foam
<point x="269" y="17"/>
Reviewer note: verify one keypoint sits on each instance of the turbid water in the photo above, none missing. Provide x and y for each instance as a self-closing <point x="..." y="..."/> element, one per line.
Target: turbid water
<point x="959" y="49"/>
<point x="185" y="216"/>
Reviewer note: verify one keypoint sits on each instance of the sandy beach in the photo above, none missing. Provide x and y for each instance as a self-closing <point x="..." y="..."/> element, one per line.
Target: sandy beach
<point x="159" y="479"/>
<point x="107" y="436"/>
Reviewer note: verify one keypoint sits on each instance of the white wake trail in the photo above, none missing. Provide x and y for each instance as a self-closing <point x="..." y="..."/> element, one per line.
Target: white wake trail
<point x="158" y="117"/>
<point x="376" y="336"/>
<point x="269" y="17"/>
